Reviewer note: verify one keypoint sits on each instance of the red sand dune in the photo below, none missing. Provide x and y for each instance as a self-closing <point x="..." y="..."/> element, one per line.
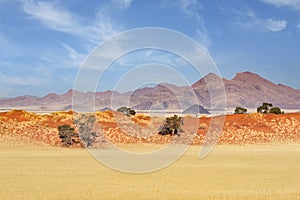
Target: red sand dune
<point x="254" y="128"/>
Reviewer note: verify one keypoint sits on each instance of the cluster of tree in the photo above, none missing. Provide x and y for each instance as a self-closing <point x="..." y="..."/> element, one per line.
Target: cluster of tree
<point x="264" y="109"/>
<point x="85" y="137"/>
<point x="68" y="136"/>
<point x="240" y="110"/>
<point x="171" y="126"/>
<point x="268" y="108"/>
<point x="126" y="111"/>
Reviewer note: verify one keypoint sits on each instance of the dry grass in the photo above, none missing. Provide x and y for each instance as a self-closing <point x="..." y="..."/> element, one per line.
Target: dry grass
<point x="229" y="172"/>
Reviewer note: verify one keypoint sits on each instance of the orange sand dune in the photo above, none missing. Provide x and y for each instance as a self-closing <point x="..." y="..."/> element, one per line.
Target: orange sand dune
<point x="24" y="127"/>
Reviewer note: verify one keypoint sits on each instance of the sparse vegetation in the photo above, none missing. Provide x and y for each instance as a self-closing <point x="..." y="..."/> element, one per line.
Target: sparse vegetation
<point x="265" y="108"/>
<point x="85" y="124"/>
<point x="276" y="110"/>
<point x="171" y="126"/>
<point x="126" y="111"/>
<point x="240" y="110"/>
<point x="67" y="135"/>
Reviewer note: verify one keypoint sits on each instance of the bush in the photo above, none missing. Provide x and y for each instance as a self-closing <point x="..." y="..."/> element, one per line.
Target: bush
<point x="131" y="112"/>
<point x="171" y="126"/>
<point x="85" y="125"/>
<point x="264" y="108"/>
<point x="240" y="110"/>
<point x="67" y="135"/>
<point x="126" y="111"/>
<point x="275" y="110"/>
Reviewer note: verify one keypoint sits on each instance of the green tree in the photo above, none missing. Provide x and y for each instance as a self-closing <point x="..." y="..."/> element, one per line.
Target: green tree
<point x="240" y="110"/>
<point x="67" y="135"/>
<point x="132" y="112"/>
<point x="126" y="111"/>
<point x="171" y="126"/>
<point x="276" y="110"/>
<point x="264" y="108"/>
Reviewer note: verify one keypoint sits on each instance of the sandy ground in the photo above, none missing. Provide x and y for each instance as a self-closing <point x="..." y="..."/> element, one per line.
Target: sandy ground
<point x="229" y="172"/>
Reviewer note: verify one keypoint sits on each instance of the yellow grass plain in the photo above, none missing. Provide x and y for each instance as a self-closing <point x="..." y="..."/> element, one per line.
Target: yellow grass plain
<point x="229" y="172"/>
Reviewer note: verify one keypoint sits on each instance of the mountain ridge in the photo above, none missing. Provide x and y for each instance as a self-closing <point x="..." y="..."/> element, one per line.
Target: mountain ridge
<point x="246" y="89"/>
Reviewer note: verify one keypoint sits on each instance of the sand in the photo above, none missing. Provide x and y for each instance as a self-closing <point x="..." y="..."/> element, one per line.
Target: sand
<point x="229" y="172"/>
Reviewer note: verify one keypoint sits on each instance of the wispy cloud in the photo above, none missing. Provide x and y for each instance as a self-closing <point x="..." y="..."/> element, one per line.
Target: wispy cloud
<point x="151" y="56"/>
<point x="21" y="81"/>
<point x="102" y="28"/>
<point x="295" y="4"/>
<point x="124" y="4"/>
<point x="193" y="9"/>
<point x="74" y="58"/>
<point x="59" y="19"/>
<point x="56" y="17"/>
<point x="276" y="25"/>
<point x="250" y="21"/>
<point x="267" y="25"/>
<point x="51" y="15"/>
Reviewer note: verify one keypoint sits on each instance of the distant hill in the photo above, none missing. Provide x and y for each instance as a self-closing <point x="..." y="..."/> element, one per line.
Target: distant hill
<point x="195" y="109"/>
<point x="245" y="89"/>
<point x="105" y="109"/>
<point x="250" y="90"/>
<point x="69" y="107"/>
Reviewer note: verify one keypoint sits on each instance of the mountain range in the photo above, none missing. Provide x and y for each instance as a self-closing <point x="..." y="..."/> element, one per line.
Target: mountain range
<point x="246" y="89"/>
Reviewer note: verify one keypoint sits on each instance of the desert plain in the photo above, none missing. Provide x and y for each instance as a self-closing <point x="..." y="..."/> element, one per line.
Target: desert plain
<point x="256" y="157"/>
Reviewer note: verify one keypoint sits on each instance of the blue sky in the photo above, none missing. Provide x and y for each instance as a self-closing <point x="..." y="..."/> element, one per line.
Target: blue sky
<point x="44" y="43"/>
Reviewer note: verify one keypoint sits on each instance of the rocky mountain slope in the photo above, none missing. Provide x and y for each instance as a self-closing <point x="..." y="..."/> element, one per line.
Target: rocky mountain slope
<point x="245" y="89"/>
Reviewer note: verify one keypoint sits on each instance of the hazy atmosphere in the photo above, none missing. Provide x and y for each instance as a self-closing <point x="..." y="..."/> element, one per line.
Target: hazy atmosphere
<point x="44" y="43"/>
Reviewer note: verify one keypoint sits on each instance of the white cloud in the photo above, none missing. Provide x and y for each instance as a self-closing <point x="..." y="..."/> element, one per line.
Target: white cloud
<point x="298" y="25"/>
<point x="189" y="6"/>
<point x="141" y="57"/>
<point x="102" y="29"/>
<point x="21" y="81"/>
<point x="276" y="25"/>
<point x="251" y="21"/>
<point x="193" y="9"/>
<point x="59" y="19"/>
<point x="295" y="4"/>
<point x="93" y="31"/>
<point x="50" y="15"/>
<point x="124" y="4"/>
<point x="75" y="58"/>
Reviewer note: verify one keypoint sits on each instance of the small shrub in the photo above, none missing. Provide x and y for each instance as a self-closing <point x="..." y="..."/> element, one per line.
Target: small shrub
<point x="126" y="111"/>
<point x="171" y="126"/>
<point x="85" y="125"/>
<point x="240" y="110"/>
<point x="275" y="110"/>
<point x="67" y="135"/>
